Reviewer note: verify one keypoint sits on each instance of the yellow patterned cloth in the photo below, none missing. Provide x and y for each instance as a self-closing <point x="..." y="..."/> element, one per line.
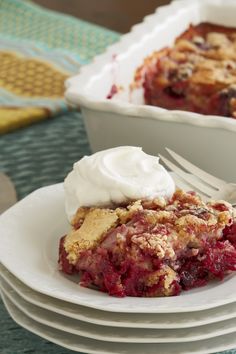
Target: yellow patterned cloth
<point x="39" y="50"/>
<point x="28" y="78"/>
<point x="13" y="118"/>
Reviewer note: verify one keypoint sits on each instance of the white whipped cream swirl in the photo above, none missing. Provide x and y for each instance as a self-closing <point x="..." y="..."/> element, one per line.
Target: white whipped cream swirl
<point x="114" y="176"/>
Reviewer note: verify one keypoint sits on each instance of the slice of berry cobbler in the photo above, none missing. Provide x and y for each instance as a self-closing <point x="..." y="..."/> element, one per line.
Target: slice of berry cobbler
<point x="151" y="248"/>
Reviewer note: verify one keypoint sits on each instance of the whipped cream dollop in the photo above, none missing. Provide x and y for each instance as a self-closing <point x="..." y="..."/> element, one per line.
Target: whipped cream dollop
<point x="115" y="176"/>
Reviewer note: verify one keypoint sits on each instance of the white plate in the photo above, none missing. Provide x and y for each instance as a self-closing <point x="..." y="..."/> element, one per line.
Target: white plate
<point x="114" y="334"/>
<point x="131" y="320"/>
<point x="87" y="345"/>
<point x="30" y="233"/>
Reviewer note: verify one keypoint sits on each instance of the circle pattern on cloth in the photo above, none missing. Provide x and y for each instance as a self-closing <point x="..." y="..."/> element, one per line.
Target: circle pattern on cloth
<point x="30" y="77"/>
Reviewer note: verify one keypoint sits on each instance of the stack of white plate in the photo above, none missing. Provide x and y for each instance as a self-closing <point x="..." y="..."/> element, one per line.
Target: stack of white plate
<point x="46" y="302"/>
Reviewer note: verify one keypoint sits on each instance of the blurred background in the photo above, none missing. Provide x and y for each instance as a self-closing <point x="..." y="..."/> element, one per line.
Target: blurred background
<point x="118" y="15"/>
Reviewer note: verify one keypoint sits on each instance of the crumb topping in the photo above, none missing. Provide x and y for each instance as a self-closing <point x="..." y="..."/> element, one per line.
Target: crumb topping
<point x="96" y="222"/>
<point x="151" y="247"/>
<point x="171" y="226"/>
<point x="167" y="274"/>
<point x="198" y="73"/>
<point x="157" y="244"/>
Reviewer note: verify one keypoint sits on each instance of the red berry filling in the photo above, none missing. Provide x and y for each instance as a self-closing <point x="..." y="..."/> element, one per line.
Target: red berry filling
<point x="158" y="250"/>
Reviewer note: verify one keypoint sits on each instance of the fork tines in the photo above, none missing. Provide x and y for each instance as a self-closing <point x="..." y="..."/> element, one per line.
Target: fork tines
<point x="193" y="176"/>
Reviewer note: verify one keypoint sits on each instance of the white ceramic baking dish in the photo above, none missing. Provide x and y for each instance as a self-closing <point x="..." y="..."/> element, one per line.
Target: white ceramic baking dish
<point x="208" y="141"/>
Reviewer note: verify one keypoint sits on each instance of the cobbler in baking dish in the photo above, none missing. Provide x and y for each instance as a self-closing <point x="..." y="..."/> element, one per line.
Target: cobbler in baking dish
<point x="197" y="74"/>
<point x="155" y="247"/>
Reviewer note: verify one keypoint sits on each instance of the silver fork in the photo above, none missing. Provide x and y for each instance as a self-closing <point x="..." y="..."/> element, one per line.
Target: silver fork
<point x="207" y="185"/>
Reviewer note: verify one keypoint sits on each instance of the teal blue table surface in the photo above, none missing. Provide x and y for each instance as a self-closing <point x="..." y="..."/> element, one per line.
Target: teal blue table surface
<point x="43" y="153"/>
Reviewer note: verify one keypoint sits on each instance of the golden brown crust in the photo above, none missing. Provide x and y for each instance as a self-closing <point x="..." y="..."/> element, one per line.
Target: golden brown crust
<point x="95" y="224"/>
<point x="168" y="275"/>
<point x="175" y="225"/>
<point x="158" y="245"/>
<point x="90" y="224"/>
